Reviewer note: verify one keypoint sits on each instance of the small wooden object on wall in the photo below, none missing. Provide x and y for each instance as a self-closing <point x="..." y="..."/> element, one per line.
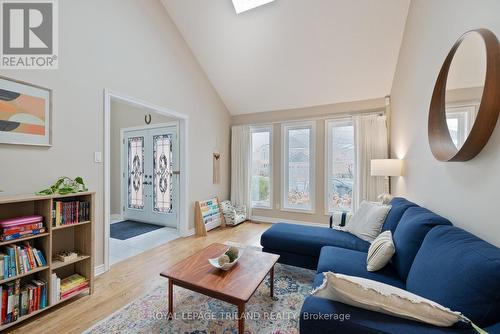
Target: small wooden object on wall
<point x="216" y="168"/>
<point x="440" y="140"/>
<point x="208" y="215"/>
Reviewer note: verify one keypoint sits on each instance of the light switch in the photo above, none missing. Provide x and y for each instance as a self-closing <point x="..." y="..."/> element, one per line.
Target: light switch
<point x="97" y="157"/>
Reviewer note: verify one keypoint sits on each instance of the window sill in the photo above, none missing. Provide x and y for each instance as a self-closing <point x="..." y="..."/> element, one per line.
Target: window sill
<point x="308" y="212"/>
<point x="261" y="208"/>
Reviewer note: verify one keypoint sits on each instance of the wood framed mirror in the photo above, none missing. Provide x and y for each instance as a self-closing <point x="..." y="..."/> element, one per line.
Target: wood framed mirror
<point x="465" y="103"/>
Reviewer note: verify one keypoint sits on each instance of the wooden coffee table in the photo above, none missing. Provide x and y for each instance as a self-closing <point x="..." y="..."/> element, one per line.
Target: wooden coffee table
<point x="235" y="286"/>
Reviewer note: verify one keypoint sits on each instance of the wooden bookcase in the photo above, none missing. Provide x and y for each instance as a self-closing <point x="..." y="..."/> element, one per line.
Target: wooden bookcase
<point x="208" y="215"/>
<point x="79" y="237"/>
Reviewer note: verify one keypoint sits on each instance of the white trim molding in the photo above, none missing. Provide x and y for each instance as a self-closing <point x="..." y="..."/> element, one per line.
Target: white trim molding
<point x="99" y="270"/>
<point x="183" y="223"/>
<point x="262" y="129"/>
<point x="285" y="127"/>
<point x="273" y="220"/>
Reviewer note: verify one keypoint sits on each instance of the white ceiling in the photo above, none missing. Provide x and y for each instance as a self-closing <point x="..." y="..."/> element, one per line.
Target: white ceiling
<point x="294" y="53"/>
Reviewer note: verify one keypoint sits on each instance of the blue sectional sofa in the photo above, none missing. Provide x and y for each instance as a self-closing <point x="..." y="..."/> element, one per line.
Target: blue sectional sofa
<point x="433" y="259"/>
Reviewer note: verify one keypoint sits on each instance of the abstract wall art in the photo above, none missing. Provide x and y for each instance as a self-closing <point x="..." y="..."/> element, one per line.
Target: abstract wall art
<point x="25" y="113"/>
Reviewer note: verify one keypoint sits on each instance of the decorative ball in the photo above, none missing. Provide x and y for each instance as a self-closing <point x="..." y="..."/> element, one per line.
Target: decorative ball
<point x="232" y="253"/>
<point x="223" y="259"/>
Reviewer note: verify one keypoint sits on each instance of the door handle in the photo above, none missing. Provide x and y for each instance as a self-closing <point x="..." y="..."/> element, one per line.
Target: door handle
<point x="176" y="172"/>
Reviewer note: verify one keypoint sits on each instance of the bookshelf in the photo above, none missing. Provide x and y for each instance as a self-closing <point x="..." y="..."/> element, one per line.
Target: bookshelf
<point x="78" y="236"/>
<point x="208" y="215"/>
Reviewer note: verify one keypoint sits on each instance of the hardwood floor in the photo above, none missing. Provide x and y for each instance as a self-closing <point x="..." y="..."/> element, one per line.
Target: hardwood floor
<point x="131" y="279"/>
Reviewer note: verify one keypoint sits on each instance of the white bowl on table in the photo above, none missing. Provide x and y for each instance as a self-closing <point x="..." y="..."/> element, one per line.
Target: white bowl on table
<point x="215" y="261"/>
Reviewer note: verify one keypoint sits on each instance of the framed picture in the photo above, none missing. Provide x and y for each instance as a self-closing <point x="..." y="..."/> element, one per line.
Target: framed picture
<point x="25" y="113"/>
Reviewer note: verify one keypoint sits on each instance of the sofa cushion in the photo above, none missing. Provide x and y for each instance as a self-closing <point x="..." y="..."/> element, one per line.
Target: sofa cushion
<point x="460" y="271"/>
<point x="415" y="223"/>
<point x="308" y="240"/>
<point x="398" y="207"/>
<point x="294" y="259"/>
<point x="368" y="220"/>
<point x="350" y="262"/>
<point x="319" y="315"/>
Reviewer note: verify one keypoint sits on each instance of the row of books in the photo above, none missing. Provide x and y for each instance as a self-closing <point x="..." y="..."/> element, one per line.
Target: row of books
<point x="19" y="301"/>
<point x="20" y="259"/>
<point x="19" y="227"/>
<point x="70" y="212"/>
<point x="67" y="287"/>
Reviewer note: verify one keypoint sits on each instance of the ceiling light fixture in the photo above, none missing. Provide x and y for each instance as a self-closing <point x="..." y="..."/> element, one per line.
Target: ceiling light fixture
<point x="243" y="5"/>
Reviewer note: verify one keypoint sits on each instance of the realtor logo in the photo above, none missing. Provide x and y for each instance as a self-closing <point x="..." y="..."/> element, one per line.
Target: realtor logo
<point x="29" y="34"/>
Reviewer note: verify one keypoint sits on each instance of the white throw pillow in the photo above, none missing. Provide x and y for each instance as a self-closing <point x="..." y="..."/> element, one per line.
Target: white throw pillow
<point x="380" y="252"/>
<point x="366" y="223"/>
<point x="384" y="298"/>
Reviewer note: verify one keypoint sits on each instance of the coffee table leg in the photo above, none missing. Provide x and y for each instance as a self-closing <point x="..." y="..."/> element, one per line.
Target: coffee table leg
<point x="170" y="298"/>
<point x="271" y="281"/>
<point x="241" y="318"/>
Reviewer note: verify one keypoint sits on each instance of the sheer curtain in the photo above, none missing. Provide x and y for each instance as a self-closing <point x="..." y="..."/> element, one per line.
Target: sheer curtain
<point x="370" y="133"/>
<point x="240" y="166"/>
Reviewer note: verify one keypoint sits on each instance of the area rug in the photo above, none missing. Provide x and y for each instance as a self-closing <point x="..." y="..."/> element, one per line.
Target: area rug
<point x="198" y="314"/>
<point x="128" y="229"/>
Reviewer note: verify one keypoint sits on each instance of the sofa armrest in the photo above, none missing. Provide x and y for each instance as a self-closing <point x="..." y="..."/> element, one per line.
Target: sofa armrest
<point x="319" y="315"/>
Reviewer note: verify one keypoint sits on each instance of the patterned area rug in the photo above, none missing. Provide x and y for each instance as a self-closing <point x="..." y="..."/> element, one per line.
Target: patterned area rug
<point x="198" y="314"/>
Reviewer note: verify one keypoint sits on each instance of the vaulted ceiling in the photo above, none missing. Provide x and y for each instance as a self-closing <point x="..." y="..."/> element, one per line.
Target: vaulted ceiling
<point x="294" y="53"/>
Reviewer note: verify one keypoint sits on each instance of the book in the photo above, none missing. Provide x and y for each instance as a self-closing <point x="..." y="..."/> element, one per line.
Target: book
<point x="24" y="302"/>
<point x="17" y="221"/>
<point x="21" y="234"/>
<point x="71" y="281"/>
<point x="66" y="212"/>
<point x="4" y="304"/>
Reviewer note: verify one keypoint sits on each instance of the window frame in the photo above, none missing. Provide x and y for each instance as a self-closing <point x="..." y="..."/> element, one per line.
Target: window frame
<point x="259" y="129"/>
<point x="285" y="127"/>
<point x="327" y="167"/>
<point x="466" y="113"/>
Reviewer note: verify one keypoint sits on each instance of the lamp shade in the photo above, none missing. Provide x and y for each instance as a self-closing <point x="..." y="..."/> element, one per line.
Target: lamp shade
<point x="386" y="167"/>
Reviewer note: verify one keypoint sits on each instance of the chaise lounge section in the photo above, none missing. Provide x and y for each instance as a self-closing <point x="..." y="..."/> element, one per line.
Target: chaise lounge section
<point x="433" y="259"/>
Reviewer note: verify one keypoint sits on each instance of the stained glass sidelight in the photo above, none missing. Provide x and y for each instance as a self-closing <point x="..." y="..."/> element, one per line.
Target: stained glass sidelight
<point x="162" y="173"/>
<point x="136" y="173"/>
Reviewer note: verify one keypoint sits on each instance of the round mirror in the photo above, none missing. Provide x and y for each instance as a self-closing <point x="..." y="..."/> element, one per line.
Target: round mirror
<point x="465" y="103"/>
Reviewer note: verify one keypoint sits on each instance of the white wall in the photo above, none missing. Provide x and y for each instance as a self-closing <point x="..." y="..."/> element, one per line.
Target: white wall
<point x="123" y="116"/>
<point x="131" y="47"/>
<point x="464" y="192"/>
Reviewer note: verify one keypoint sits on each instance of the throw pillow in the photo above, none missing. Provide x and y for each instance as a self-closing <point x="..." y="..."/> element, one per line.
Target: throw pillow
<point x="340" y="218"/>
<point x="380" y="252"/>
<point x="367" y="222"/>
<point x="379" y="297"/>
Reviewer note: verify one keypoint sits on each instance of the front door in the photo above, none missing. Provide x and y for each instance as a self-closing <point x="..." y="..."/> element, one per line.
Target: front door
<point x="150" y="181"/>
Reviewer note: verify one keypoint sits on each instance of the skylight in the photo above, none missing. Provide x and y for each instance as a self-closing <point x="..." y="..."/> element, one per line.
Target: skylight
<point x="243" y="5"/>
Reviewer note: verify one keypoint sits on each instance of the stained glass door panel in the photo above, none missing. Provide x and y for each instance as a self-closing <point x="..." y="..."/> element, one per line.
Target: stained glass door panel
<point x="135" y="168"/>
<point x="149" y="178"/>
<point x="162" y="173"/>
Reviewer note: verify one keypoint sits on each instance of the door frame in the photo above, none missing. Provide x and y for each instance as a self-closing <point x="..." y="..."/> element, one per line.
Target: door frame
<point x="183" y="121"/>
<point x="123" y="199"/>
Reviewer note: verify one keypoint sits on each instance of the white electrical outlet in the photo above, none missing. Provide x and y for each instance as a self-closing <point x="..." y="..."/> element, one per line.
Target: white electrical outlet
<point x="98" y="157"/>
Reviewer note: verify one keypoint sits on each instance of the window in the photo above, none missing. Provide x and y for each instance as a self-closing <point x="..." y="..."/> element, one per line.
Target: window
<point x="261" y="172"/>
<point x="339" y="165"/>
<point x="298" y="164"/>
<point x="460" y="120"/>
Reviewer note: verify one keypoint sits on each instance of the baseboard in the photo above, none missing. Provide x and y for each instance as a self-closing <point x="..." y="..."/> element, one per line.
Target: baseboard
<point x="189" y="233"/>
<point x="99" y="270"/>
<point x="273" y="220"/>
<point x="115" y="218"/>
